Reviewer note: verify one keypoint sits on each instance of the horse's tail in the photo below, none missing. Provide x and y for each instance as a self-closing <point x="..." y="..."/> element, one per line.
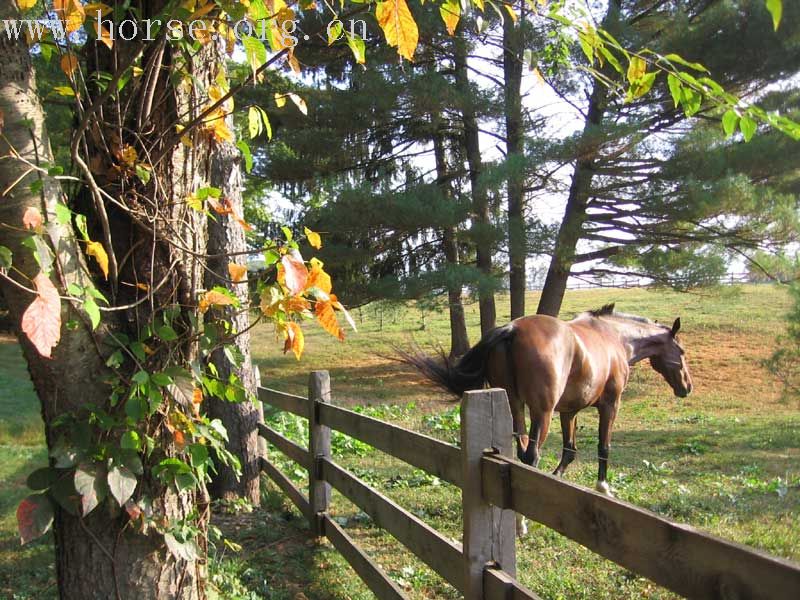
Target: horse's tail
<point x="467" y="373"/>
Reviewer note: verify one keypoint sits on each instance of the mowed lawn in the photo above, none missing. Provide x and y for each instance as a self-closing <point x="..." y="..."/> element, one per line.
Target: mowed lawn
<point x="726" y="459"/>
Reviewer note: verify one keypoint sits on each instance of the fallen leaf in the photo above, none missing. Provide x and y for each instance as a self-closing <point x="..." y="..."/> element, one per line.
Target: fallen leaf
<point x="41" y="321"/>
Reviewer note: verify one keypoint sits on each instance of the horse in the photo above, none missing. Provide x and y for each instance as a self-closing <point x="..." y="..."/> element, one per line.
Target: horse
<point x="563" y="366"/>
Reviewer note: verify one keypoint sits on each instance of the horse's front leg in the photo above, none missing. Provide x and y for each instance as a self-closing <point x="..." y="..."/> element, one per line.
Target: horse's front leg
<point x="570" y="449"/>
<point x="608" y="412"/>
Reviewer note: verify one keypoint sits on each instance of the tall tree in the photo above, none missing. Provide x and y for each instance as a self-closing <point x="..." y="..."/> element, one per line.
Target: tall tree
<point x="654" y="195"/>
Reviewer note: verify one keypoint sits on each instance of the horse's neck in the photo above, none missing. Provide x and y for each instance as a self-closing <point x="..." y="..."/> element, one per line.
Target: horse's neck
<point x="639" y="339"/>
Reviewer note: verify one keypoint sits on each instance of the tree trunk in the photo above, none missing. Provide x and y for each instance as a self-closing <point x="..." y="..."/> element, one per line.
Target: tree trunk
<point x="99" y="556"/>
<point x="226" y="243"/>
<point x="513" y="46"/>
<point x="570" y="230"/>
<point x="459" y="339"/>
<point x="482" y="231"/>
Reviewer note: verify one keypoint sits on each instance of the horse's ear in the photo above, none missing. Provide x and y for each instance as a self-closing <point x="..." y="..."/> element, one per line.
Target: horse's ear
<point x="675" y="327"/>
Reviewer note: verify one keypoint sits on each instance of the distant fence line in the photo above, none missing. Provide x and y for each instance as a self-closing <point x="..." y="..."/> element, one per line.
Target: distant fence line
<point x="493" y="488"/>
<point x="622" y="282"/>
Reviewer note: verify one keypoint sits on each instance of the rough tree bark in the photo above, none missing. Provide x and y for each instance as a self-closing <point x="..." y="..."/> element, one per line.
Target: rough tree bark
<point x="513" y="46"/>
<point x="482" y="232"/>
<point x="459" y="339"/>
<point x="226" y="244"/>
<point x="99" y="556"/>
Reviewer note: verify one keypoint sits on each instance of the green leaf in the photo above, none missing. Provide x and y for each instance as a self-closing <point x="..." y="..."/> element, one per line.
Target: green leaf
<point x="91" y="308"/>
<point x="729" y="121"/>
<point x="748" y="127"/>
<point x="161" y="379"/>
<point x="143" y="173"/>
<point x="34" y="517"/>
<point x="334" y="30"/>
<point x="166" y="333"/>
<point x="675" y="58"/>
<point x="637" y="68"/>
<point x="254" y="126"/>
<point x="265" y="120"/>
<point x="63" y="214"/>
<point x="90" y="483"/>
<point x="187" y="550"/>
<point x="5" y="257"/>
<point x="41" y="479"/>
<point x="357" y="47"/>
<point x="136" y="408"/>
<point x="80" y="223"/>
<point x="141" y="377"/>
<point x="255" y="52"/>
<point x="675" y="89"/>
<point x="122" y="484"/>
<point x="248" y="156"/>
<point x="130" y="441"/>
<point x="775" y="8"/>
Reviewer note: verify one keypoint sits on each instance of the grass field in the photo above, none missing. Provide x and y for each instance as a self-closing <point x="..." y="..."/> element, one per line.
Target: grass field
<point x="724" y="459"/>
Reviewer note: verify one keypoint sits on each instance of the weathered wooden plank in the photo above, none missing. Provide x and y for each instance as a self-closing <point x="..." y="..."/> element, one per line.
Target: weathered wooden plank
<point x="439" y="553"/>
<point x="282" y="481"/>
<point x="489" y="533"/>
<point x="294" y="451"/>
<point x="319" y="447"/>
<point x="369" y="571"/>
<point x="679" y="557"/>
<point x="289" y="402"/>
<point x="422" y="451"/>
<point x="499" y="585"/>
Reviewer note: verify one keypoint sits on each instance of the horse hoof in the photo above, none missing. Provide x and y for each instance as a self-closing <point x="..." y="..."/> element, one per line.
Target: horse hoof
<point x="604" y="488"/>
<point x="522" y="527"/>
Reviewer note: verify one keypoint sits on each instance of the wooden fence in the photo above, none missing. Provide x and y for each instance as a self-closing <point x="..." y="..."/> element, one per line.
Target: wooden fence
<point x="494" y="488"/>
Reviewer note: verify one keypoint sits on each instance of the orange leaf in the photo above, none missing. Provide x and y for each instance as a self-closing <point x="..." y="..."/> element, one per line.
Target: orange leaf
<point x="295" y="341"/>
<point x="32" y="218"/>
<point x="338" y="306"/>
<point x="69" y="64"/>
<point x="213" y="298"/>
<point x="180" y="439"/>
<point x="103" y="35"/>
<point x="237" y="272"/>
<point x="327" y="318"/>
<point x="197" y="396"/>
<point x="318" y="278"/>
<point x="295" y="272"/>
<point x="41" y="321"/>
<point x="297" y="304"/>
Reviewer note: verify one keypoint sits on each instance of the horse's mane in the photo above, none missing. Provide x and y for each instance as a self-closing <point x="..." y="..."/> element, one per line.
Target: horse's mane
<point x="608" y="310"/>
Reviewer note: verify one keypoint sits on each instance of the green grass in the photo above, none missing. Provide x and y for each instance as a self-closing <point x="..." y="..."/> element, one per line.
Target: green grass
<point x="724" y="459"/>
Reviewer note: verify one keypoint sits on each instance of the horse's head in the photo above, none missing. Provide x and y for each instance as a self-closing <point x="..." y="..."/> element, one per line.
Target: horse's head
<point x="670" y="362"/>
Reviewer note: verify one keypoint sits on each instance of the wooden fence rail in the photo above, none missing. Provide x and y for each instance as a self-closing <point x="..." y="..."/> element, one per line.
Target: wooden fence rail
<point x="494" y="488"/>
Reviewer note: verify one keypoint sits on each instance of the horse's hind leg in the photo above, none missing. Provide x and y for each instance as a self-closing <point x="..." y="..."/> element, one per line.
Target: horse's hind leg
<point x="569" y="449"/>
<point x="540" y="425"/>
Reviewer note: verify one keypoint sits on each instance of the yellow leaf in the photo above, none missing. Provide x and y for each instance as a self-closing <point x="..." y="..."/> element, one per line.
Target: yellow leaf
<point x="270" y="301"/>
<point x="41" y="321"/>
<point x="96" y="249"/>
<point x="213" y="298"/>
<point x="510" y="11"/>
<point x="26" y="4"/>
<point x="451" y="13"/>
<point x="280" y="100"/>
<point x="194" y="202"/>
<point x="71" y="12"/>
<point x="128" y="155"/>
<point x="398" y="26"/>
<point x="317" y="278"/>
<point x="327" y="318"/>
<point x="295" y="341"/>
<point x="237" y="272"/>
<point x="313" y="238"/>
<point x="92" y="9"/>
<point x="636" y="69"/>
<point x="103" y="35"/>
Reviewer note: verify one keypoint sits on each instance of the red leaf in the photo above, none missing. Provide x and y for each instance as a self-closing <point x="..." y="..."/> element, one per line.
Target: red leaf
<point x="41" y="321"/>
<point x="34" y="517"/>
<point x="32" y="218"/>
<point x="295" y="270"/>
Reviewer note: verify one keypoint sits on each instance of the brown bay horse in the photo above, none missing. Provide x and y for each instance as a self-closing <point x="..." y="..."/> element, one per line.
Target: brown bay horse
<point x="556" y="366"/>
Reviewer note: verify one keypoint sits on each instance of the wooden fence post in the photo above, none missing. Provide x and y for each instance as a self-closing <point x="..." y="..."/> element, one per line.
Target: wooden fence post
<point x="489" y="532"/>
<point x="319" y="446"/>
